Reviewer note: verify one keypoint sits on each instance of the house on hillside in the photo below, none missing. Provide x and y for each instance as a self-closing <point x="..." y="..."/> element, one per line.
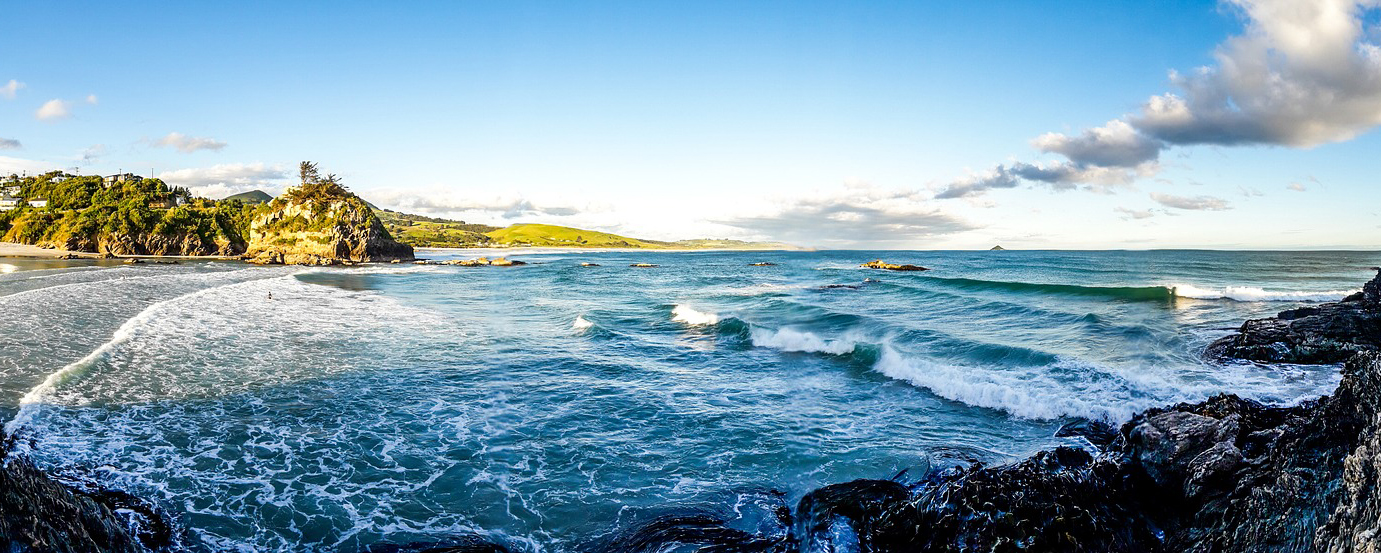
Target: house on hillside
<point x="11" y="179"/>
<point x="38" y="202"/>
<point x="112" y="180"/>
<point x="164" y="203"/>
<point x="8" y="202"/>
<point x="11" y="189"/>
<point x="58" y="178"/>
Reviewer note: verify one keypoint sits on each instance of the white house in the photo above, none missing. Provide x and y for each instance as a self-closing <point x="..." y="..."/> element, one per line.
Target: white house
<point x="11" y="189"/>
<point x="59" y="178"/>
<point x="8" y="202"/>
<point x="38" y="202"/>
<point x="122" y="177"/>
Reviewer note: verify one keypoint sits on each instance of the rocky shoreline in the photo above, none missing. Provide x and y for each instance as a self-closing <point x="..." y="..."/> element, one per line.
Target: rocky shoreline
<point x="1224" y="475"/>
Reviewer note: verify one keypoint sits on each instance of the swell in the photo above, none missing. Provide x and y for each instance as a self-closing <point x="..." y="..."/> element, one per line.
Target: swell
<point x="1143" y="293"/>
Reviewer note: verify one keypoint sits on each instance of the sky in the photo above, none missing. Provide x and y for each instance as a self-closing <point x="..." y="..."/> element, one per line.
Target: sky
<point x="1241" y="124"/>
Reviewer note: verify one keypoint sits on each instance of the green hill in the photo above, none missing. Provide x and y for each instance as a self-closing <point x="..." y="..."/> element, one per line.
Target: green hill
<point x="251" y="197"/>
<point x="555" y="236"/>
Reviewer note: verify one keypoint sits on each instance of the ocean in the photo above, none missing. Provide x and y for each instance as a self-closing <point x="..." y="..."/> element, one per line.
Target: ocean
<point x="547" y="405"/>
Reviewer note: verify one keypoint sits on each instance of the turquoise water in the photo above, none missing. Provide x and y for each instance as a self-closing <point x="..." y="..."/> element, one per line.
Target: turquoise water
<point x="548" y="404"/>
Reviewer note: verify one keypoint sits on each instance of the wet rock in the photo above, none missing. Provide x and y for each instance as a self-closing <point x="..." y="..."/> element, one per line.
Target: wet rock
<point x="1328" y="333"/>
<point x="1098" y="433"/>
<point x="762" y="264"/>
<point x="880" y="264"/>
<point x="644" y="265"/>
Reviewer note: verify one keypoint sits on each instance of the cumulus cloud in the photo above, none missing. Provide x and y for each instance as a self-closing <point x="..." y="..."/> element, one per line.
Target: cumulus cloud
<point x="1194" y="203"/>
<point x="441" y="202"/>
<point x="219" y="181"/>
<point x="1299" y="75"/>
<point x="10" y="144"/>
<point x="10" y="89"/>
<point x="859" y="214"/>
<point x="188" y="144"/>
<point x="1058" y="175"/>
<point x="13" y="165"/>
<point x="52" y="110"/>
<point x="1297" y="187"/>
<point x="1115" y="144"/>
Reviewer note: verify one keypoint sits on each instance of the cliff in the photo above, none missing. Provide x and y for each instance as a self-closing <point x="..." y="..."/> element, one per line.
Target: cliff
<point x="320" y="224"/>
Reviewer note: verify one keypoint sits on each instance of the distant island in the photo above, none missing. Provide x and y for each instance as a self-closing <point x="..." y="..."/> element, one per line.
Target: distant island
<point x="129" y="215"/>
<point x="996" y="248"/>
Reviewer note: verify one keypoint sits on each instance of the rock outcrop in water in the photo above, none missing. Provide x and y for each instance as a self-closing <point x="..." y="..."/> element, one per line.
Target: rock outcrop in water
<point x="320" y="223"/>
<point x="880" y="264"/>
<point x="1327" y="333"/>
<point x="40" y="515"/>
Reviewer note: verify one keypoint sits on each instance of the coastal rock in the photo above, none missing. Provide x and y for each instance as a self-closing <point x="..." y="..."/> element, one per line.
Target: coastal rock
<point x="1327" y="333"/>
<point x="762" y="264"/>
<point x="320" y="224"/>
<point x="39" y="514"/>
<point x="880" y="264"/>
<point x="644" y="265"/>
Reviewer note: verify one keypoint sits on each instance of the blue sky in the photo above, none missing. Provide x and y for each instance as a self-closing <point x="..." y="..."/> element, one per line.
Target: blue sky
<point x="830" y="124"/>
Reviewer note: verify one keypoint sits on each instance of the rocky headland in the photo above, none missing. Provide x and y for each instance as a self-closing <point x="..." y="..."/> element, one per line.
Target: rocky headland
<point x="319" y="222"/>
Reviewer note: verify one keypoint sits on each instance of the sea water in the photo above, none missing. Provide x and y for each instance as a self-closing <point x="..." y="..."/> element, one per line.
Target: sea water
<point x="335" y="409"/>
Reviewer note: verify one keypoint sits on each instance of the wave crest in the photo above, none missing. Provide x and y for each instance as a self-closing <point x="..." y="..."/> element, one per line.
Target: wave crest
<point x="1253" y="293"/>
<point x="789" y="339"/>
<point x="685" y="314"/>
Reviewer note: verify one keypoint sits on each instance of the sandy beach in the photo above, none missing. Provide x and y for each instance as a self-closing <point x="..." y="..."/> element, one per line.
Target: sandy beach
<point x="11" y="249"/>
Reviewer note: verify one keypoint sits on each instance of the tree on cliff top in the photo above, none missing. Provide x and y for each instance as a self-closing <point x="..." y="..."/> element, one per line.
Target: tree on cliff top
<point x="314" y="186"/>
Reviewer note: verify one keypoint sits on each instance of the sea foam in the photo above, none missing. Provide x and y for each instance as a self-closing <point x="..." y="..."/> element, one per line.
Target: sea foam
<point x="789" y="339"/>
<point x="1252" y="293"/>
<point x="581" y="323"/>
<point x="685" y="314"/>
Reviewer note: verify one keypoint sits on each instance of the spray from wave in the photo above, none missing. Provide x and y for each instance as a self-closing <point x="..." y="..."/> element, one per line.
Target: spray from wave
<point x="685" y="314"/>
<point x="581" y="323"/>
<point x="1252" y="293"/>
<point x="788" y="339"/>
<point x="7" y="268"/>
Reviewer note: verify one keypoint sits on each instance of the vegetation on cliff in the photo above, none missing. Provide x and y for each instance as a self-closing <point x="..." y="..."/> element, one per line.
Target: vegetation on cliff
<point x="320" y="222"/>
<point x="434" y="232"/>
<point x="124" y="217"/>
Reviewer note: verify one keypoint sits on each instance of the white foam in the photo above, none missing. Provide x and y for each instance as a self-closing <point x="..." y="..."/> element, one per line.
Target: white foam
<point x="7" y="268"/>
<point x="789" y="339"/>
<point x="1253" y="293"/>
<point x="581" y="323"/>
<point x="685" y="314"/>
<point x="1031" y="395"/>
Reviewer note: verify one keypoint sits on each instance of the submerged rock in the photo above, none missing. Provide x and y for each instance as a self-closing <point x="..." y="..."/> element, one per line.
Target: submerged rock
<point x="880" y="264"/>
<point x="644" y="265"/>
<point x="1327" y="333"/>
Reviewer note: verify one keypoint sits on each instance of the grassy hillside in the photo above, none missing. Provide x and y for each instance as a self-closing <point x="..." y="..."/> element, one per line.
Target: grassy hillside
<point x="435" y="232"/>
<point x="251" y="197"/>
<point x="555" y="236"/>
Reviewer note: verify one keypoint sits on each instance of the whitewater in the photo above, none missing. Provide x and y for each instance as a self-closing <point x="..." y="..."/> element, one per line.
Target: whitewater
<point x="544" y="406"/>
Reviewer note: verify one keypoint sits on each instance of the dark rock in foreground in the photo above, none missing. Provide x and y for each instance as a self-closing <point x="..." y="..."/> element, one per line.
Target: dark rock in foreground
<point x="40" y="515"/>
<point x="1327" y="333"/>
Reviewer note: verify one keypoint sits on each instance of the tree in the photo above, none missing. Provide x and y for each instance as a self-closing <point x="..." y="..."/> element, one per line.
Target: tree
<point x="307" y="170"/>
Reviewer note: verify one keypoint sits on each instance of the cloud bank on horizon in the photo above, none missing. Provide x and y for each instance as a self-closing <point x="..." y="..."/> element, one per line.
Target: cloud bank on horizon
<point x="1301" y="74"/>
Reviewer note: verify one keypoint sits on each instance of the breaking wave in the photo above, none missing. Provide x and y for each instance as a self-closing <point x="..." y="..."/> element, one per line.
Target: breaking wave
<point x="685" y="314"/>
<point x="1252" y="293"/>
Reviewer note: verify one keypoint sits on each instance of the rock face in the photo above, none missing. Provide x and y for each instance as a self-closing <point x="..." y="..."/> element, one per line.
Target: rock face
<point x="880" y="264"/>
<point x="1328" y="333"/>
<point x="321" y="228"/>
<point x="38" y="514"/>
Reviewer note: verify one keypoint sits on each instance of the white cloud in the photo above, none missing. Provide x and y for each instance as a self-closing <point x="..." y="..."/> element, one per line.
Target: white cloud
<point x="855" y="215"/>
<point x="92" y="99"/>
<point x="92" y="154"/>
<point x="1115" y="144"/>
<point x="1297" y="187"/>
<point x="467" y="206"/>
<point x="10" y="144"/>
<point x="1301" y="74"/>
<point x="11" y="89"/>
<point x="188" y="144"/>
<point x="1195" y="203"/>
<point x="222" y="180"/>
<point x="1128" y="213"/>
<point x="53" y="109"/>
<point x="14" y="165"/>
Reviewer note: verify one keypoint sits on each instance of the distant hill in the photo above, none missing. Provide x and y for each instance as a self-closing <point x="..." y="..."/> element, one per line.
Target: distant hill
<point x="556" y="236"/>
<point x="251" y="197"/>
<point x="435" y="232"/>
<point x="997" y="248"/>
